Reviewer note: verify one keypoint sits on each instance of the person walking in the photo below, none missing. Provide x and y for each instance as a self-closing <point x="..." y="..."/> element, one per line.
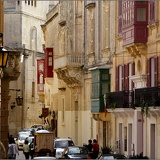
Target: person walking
<point x="10" y="150"/>
<point x="95" y="148"/>
<point x="15" y="149"/>
<point x="31" y="146"/>
<point x="89" y="146"/>
<point x="26" y="149"/>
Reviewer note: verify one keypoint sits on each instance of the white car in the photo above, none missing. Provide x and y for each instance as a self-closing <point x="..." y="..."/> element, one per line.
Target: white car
<point x="20" y="140"/>
<point x="60" y="144"/>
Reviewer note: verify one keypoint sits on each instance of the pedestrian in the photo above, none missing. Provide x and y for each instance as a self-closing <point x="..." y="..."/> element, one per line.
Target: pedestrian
<point x="10" y="150"/>
<point x="95" y="148"/>
<point x="26" y="149"/>
<point x="11" y="138"/>
<point x="89" y="146"/>
<point x="31" y="146"/>
<point x="15" y="149"/>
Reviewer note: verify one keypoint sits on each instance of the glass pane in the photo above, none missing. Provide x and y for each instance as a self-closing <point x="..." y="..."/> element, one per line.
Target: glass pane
<point x="5" y="59"/>
<point x="0" y="59"/>
<point x="141" y="14"/>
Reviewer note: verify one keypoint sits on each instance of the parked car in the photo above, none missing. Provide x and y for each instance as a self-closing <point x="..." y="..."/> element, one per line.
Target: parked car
<point x="60" y="144"/>
<point x="23" y="133"/>
<point x="31" y="131"/>
<point x="20" y="140"/>
<point x="112" y="156"/>
<point x="38" y="126"/>
<point x="75" y="152"/>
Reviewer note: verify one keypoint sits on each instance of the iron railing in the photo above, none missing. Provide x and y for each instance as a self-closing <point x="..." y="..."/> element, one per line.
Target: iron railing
<point x="127" y="99"/>
<point x="151" y="96"/>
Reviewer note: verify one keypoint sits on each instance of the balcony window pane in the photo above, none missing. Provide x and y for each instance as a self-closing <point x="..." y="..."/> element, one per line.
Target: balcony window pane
<point x="104" y="88"/>
<point x="141" y="14"/>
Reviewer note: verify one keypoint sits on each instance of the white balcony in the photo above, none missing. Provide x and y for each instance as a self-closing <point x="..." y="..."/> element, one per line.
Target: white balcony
<point x="68" y="60"/>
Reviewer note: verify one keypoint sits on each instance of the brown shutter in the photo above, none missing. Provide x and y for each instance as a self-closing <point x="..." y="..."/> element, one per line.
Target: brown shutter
<point x="133" y="73"/>
<point x="117" y="79"/>
<point x="123" y="77"/>
<point x="126" y="71"/>
<point x="149" y="72"/>
<point x="156" y="71"/>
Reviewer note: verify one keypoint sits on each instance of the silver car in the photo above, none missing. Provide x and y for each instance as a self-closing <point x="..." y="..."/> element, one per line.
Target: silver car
<point x="60" y="144"/>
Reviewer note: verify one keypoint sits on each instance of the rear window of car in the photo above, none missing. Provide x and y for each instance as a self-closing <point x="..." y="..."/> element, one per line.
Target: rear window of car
<point x="63" y="143"/>
<point x="77" y="150"/>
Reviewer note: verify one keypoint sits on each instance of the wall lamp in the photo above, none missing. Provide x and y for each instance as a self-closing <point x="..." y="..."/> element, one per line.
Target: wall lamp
<point x="19" y="99"/>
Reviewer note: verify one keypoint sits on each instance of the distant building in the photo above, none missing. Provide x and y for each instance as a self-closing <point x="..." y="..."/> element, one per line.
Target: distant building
<point x="22" y="28"/>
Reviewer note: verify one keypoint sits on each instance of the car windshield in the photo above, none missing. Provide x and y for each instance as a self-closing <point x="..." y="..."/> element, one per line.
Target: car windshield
<point x="22" y="137"/>
<point x="63" y="144"/>
<point x="77" y="150"/>
<point x="30" y="139"/>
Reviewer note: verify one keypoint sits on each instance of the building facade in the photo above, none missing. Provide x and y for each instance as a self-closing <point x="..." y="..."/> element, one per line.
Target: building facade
<point x="119" y="45"/>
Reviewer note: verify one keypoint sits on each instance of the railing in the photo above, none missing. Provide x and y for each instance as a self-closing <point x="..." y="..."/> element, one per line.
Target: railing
<point x="151" y="96"/>
<point x="127" y="99"/>
<point x="121" y="99"/>
<point x="68" y="60"/>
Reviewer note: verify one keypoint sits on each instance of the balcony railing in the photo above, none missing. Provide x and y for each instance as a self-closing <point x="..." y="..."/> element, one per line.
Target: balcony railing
<point x="121" y="99"/>
<point x="151" y="96"/>
<point x="68" y="60"/>
<point x="127" y="99"/>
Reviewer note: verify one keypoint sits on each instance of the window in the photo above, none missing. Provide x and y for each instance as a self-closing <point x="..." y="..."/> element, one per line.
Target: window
<point x="122" y="77"/>
<point x="131" y="73"/>
<point x="152" y="76"/>
<point x="141" y="14"/>
<point x="63" y="110"/>
<point x="125" y="138"/>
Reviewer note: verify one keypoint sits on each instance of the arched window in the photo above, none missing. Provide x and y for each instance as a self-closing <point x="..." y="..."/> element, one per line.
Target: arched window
<point x="33" y="43"/>
<point x="33" y="39"/>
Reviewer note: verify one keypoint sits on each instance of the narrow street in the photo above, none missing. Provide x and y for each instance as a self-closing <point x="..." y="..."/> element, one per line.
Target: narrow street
<point x="21" y="155"/>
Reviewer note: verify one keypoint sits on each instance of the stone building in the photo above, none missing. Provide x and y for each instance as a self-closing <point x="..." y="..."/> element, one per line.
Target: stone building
<point x="8" y="73"/>
<point x="22" y="27"/>
<point x="106" y="54"/>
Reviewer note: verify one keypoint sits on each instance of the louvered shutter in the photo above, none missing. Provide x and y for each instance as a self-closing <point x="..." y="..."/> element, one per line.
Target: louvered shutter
<point x="126" y="71"/>
<point x="123" y="78"/>
<point x="149" y="72"/>
<point x="156" y="71"/>
<point x="133" y="73"/>
<point x="117" y="79"/>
